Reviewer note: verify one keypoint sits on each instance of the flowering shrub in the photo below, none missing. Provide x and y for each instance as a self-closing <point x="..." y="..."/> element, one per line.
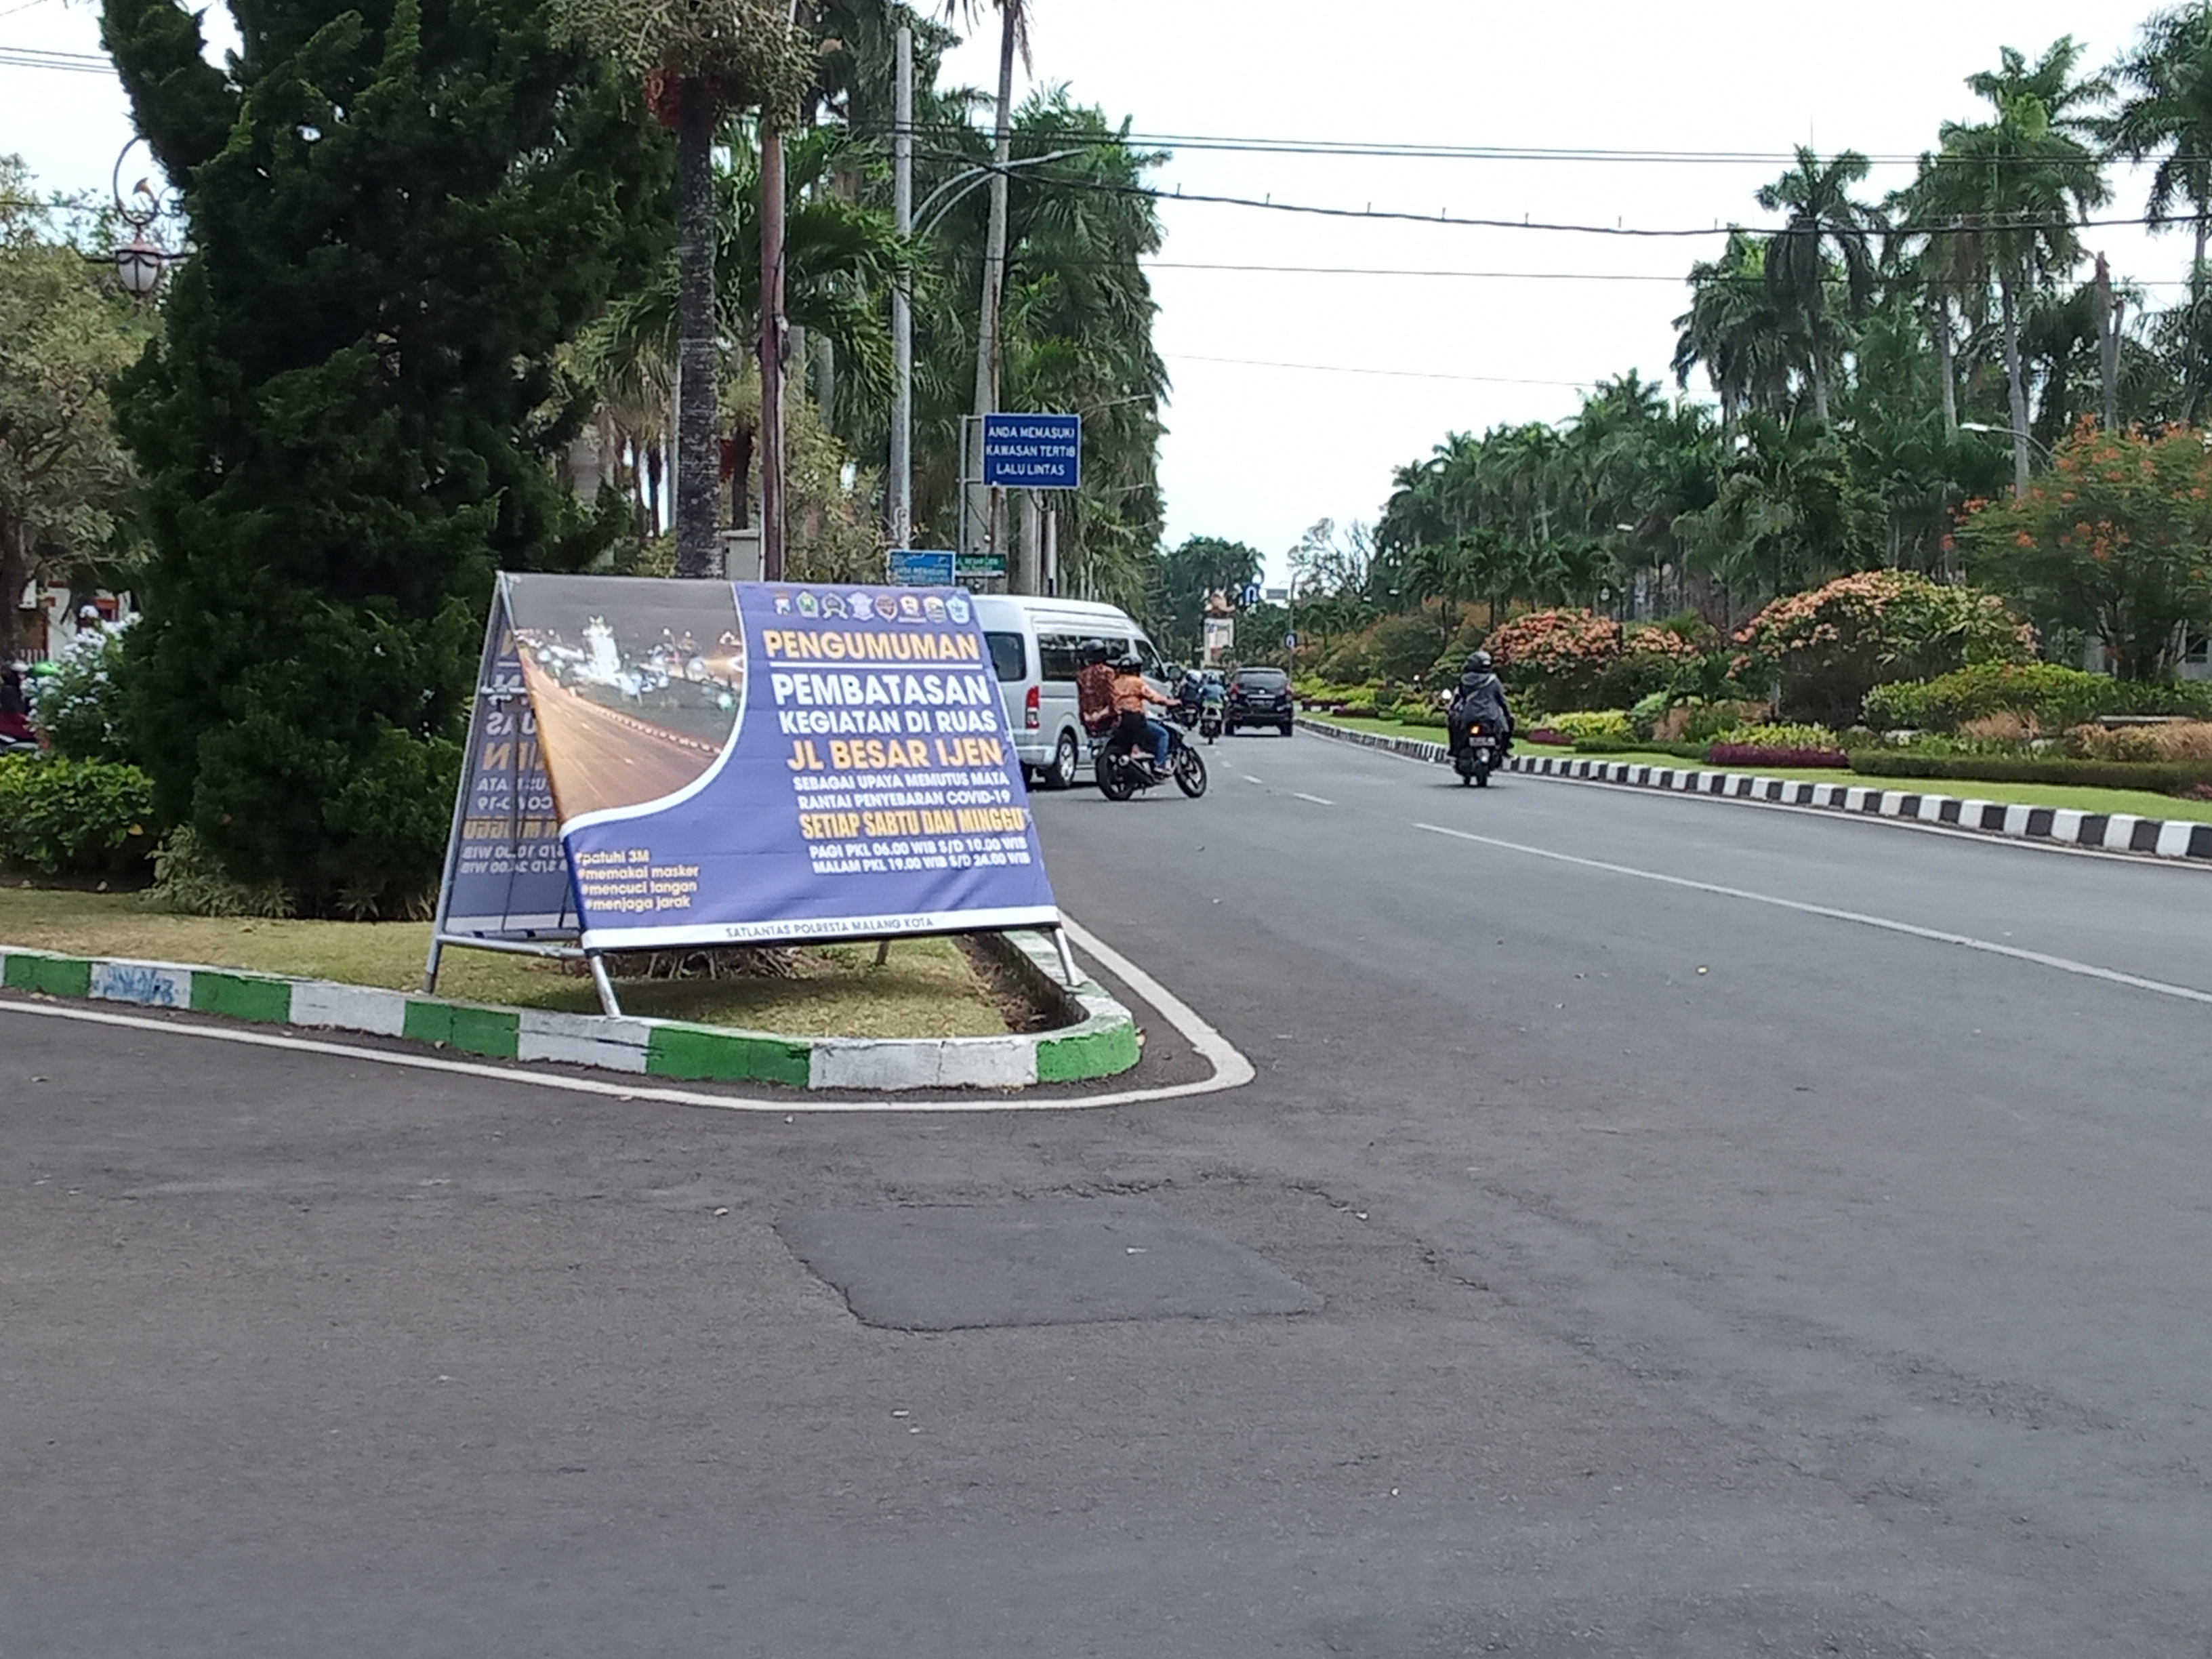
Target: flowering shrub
<point x="1578" y="659"/>
<point x="1551" y="737"/>
<point x="1759" y="754"/>
<point x="79" y="705"/>
<point x="1828" y="647"/>
<point x="2116" y="539"/>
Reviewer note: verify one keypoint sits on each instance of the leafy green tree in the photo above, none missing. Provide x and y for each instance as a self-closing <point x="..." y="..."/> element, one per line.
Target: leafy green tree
<point x="1201" y="565"/>
<point x="2115" y="540"/>
<point x="398" y="215"/>
<point x="65" y="331"/>
<point x="1788" y="511"/>
<point x="1822" y="216"/>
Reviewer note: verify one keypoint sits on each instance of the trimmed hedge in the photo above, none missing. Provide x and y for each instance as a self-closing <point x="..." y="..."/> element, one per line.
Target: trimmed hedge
<point x="2159" y="778"/>
<point x="1776" y="754"/>
<point x="1690" y="751"/>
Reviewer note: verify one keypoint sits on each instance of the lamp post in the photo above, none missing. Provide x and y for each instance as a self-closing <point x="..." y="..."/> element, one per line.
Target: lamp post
<point x="139" y="261"/>
<point x="2028" y="438"/>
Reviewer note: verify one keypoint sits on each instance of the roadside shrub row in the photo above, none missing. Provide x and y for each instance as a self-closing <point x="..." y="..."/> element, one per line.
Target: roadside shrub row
<point x="2046" y="695"/>
<point x="2178" y="778"/>
<point x="73" y="818"/>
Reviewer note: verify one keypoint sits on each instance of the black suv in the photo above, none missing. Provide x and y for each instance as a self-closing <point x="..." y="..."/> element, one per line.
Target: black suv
<point x="1260" y="696"/>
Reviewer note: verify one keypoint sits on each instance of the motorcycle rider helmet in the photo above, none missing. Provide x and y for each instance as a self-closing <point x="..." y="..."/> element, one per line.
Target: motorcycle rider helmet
<point x="1129" y="663"/>
<point x="1478" y="663"/>
<point x="1094" y="651"/>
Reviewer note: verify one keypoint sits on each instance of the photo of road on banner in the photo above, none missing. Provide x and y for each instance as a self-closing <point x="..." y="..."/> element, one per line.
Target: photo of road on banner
<point x="637" y="686"/>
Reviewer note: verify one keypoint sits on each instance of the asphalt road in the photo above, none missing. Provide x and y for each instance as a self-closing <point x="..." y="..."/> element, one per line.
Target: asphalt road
<point x="1698" y="1275"/>
<point x="599" y="759"/>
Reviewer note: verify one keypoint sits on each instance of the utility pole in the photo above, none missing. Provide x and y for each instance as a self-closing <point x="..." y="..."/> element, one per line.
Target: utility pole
<point x="901" y="479"/>
<point x="985" y="514"/>
<point x="771" y="351"/>
<point x="2108" y="344"/>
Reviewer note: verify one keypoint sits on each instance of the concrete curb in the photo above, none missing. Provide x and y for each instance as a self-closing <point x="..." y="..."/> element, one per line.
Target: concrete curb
<point x="1097" y="1039"/>
<point x="2114" y="832"/>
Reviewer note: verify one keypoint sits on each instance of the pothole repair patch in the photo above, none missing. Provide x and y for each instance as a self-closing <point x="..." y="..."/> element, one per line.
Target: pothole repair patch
<point x="1046" y="1261"/>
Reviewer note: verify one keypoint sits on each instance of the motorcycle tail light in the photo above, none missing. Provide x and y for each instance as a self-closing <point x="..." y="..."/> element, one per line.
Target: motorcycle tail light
<point x="1032" y="718"/>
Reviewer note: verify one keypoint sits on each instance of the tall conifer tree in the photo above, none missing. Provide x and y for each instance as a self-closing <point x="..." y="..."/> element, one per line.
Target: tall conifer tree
<point x="400" y="209"/>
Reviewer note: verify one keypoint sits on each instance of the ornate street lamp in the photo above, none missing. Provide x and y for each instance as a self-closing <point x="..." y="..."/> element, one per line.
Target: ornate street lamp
<point x="140" y="261"/>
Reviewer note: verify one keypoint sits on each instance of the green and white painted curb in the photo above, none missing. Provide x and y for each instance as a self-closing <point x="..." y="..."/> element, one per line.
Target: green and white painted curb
<point x="1098" y="1040"/>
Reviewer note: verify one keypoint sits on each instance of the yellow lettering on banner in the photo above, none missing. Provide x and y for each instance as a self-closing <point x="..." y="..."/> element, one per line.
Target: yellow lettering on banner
<point x="873" y="755"/>
<point x="970" y="751"/>
<point x="829" y="826"/>
<point x="992" y="820"/>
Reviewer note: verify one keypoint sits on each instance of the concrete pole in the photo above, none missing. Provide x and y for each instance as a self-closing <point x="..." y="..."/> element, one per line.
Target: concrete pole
<point x="771" y="354"/>
<point x="901" y="479"/>
<point x="1052" y="552"/>
<point x="986" y="513"/>
<point x="1032" y="545"/>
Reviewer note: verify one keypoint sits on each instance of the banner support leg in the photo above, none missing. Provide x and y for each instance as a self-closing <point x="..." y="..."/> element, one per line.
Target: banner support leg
<point x="883" y="952"/>
<point x="1066" y="959"/>
<point x="606" y="986"/>
<point x="430" y="966"/>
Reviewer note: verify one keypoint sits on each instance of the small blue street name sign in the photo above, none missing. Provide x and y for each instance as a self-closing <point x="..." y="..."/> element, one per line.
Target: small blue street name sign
<point x="1033" y="451"/>
<point x="915" y="567"/>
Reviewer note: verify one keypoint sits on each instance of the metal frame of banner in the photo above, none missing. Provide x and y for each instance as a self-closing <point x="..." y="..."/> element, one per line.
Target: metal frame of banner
<point x="563" y="945"/>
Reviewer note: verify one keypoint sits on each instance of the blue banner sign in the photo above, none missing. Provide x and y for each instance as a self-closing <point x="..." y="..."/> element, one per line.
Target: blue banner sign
<point x="755" y="763"/>
<point x="506" y="877"/>
<point x="918" y="567"/>
<point x="1033" y="451"/>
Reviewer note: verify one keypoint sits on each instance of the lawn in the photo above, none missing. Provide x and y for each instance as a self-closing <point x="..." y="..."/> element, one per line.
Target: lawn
<point x="2141" y="803"/>
<point x="927" y="988"/>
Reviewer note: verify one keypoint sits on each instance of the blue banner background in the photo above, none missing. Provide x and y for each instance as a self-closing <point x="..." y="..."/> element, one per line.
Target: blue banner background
<point x="871" y="787"/>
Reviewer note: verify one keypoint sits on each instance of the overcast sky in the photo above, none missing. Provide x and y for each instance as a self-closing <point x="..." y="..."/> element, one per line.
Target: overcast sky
<point x="1296" y="393"/>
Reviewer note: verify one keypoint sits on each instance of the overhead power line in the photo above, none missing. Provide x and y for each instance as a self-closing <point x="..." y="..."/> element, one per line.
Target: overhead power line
<point x="1623" y="230"/>
<point x="1348" y="369"/>
<point x="1383" y="149"/>
<point x="80" y="63"/>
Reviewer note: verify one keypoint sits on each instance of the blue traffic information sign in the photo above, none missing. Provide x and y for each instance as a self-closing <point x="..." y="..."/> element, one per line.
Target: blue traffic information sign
<point x="916" y="568"/>
<point x="1033" y="451"/>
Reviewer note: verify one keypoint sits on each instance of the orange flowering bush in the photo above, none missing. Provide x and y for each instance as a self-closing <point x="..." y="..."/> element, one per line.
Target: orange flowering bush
<point x="1565" y="659"/>
<point x="2115" y="540"/>
<point x="1827" y="648"/>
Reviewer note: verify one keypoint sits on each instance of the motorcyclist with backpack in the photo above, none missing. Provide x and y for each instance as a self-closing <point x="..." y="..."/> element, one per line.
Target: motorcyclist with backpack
<point x="1479" y="700"/>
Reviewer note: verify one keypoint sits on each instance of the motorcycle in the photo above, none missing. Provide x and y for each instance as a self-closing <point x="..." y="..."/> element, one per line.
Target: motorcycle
<point x="1121" y="775"/>
<point x="1477" y="758"/>
<point x="1209" y="713"/>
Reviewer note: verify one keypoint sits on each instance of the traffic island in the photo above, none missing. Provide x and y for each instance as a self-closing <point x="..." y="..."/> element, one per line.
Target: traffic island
<point x="2108" y="832"/>
<point x="1088" y="1035"/>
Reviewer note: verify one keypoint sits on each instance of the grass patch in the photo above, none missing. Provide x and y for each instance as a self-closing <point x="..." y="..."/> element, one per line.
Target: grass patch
<point x="2140" y="803"/>
<point x="927" y="988"/>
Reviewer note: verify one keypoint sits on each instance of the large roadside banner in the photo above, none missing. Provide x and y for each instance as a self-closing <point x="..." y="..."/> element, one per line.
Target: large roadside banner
<point x="739" y="763"/>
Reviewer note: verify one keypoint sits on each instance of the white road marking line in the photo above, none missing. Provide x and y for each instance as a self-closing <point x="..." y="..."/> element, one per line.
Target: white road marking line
<point x="1248" y="777"/>
<point x="1231" y="1069"/>
<point x="1318" y="800"/>
<point x="1990" y="947"/>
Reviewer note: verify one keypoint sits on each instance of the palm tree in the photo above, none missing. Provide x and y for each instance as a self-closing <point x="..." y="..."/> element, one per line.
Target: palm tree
<point x="698" y="60"/>
<point x="1732" y="329"/>
<point x="2008" y="191"/>
<point x="2165" y="116"/>
<point x="1822" y="215"/>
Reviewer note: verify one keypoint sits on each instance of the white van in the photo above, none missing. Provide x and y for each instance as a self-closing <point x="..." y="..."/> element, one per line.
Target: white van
<point x="1037" y="647"/>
